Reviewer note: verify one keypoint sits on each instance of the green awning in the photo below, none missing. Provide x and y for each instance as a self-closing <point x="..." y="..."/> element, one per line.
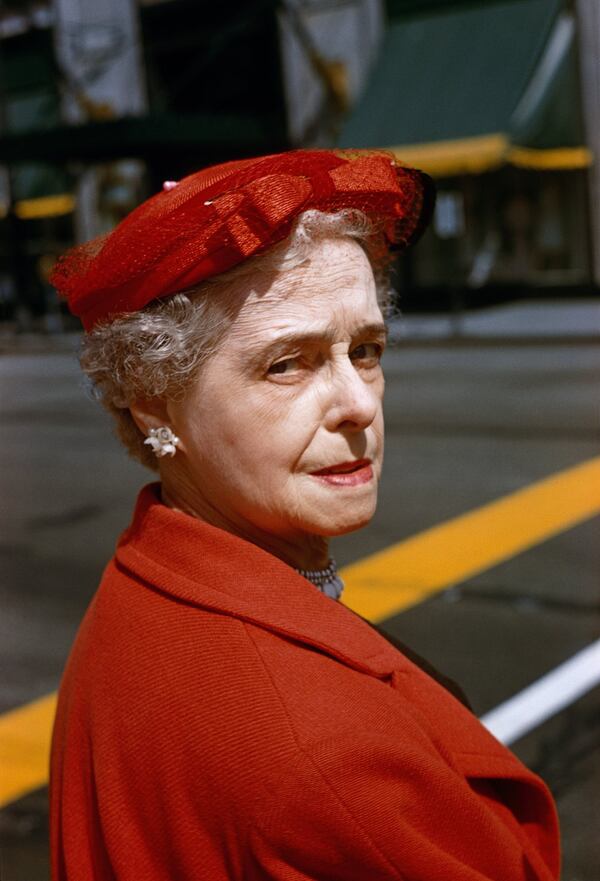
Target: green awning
<point x="471" y="87"/>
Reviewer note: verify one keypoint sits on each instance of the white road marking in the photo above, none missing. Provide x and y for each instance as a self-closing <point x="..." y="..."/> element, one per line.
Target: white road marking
<point x="556" y="690"/>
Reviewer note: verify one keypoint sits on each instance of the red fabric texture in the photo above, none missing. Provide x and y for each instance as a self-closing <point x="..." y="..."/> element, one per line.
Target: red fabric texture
<point x="216" y="218"/>
<point x="219" y="718"/>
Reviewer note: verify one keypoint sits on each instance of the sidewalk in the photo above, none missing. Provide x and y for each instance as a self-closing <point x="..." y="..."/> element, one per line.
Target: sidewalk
<point x="29" y="343"/>
<point x="526" y="321"/>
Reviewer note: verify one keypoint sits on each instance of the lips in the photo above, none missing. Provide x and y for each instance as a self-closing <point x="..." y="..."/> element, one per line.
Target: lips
<point x="346" y="474"/>
<point x="343" y="468"/>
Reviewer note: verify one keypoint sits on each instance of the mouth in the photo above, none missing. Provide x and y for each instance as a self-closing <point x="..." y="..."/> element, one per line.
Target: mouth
<point x="351" y="473"/>
<point x="343" y="468"/>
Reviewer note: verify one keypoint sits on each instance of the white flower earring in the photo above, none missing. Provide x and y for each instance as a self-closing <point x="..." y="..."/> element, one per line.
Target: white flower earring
<point x="163" y="441"/>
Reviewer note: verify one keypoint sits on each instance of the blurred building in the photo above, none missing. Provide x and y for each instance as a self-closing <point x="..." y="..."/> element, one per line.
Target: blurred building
<point x="99" y="103"/>
<point x="487" y="97"/>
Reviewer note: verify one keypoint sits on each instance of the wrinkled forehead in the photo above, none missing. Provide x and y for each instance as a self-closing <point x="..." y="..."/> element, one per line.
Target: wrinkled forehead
<point x="335" y="284"/>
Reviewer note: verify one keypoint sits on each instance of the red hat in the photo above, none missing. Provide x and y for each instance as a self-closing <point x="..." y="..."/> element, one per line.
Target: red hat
<point x="214" y="219"/>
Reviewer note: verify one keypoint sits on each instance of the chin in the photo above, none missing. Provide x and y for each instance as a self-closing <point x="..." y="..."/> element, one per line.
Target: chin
<point x="344" y="530"/>
<point x="348" y="521"/>
<point x="333" y="512"/>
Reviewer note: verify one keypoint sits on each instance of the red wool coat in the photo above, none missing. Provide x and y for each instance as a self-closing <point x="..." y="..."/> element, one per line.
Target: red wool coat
<point x="219" y="718"/>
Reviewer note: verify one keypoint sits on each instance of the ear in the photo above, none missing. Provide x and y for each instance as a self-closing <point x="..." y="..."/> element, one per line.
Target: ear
<point x="150" y="413"/>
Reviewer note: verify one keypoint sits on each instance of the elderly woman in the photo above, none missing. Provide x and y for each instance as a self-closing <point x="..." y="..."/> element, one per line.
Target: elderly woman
<point x="222" y="715"/>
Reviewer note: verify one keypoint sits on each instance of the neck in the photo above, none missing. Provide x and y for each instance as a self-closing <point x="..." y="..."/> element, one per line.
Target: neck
<point x="301" y="551"/>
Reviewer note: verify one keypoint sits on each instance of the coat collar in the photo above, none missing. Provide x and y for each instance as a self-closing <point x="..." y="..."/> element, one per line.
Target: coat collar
<point x="210" y="568"/>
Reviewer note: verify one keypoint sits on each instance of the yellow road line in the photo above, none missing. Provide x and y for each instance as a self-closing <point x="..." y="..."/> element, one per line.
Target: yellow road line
<point x="377" y="587"/>
<point x="403" y="575"/>
<point x="25" y="748"/>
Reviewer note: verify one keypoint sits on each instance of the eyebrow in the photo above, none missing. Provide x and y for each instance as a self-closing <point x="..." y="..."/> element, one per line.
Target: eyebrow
<point x="326" y="334"/>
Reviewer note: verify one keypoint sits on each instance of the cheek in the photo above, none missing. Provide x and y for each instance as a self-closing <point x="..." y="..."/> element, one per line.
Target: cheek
<point x="254" y="431"/>
<point x="286" y="416"/>
<point x="376" y="431"/>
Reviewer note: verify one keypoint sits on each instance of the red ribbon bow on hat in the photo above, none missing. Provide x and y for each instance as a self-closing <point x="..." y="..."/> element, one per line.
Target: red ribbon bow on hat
<point x="214" y="219"/>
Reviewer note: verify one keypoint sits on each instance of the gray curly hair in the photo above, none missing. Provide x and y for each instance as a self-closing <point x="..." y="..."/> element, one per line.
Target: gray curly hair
<point x="157" y="351"/>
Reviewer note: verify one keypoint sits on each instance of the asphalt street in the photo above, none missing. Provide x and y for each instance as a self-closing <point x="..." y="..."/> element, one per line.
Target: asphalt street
<point x="468" y="421"/>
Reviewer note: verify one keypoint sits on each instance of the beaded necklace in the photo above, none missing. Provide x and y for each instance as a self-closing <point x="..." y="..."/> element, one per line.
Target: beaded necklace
<point x="326" y="580"/>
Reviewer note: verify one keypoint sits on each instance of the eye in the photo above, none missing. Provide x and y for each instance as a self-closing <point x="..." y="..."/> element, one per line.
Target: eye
<point x="367" y="354"/>
<point x="288" y="365"/>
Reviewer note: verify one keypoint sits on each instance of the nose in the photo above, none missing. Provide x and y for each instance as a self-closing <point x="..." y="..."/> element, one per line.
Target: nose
<point x="353" y="401"/>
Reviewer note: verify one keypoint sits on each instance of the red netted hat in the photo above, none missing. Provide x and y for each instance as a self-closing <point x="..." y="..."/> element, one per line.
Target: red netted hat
<point x="214" y="219"/>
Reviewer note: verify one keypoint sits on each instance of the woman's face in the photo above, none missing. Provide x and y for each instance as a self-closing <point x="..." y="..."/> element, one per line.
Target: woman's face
<point x="282" y="432"/>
